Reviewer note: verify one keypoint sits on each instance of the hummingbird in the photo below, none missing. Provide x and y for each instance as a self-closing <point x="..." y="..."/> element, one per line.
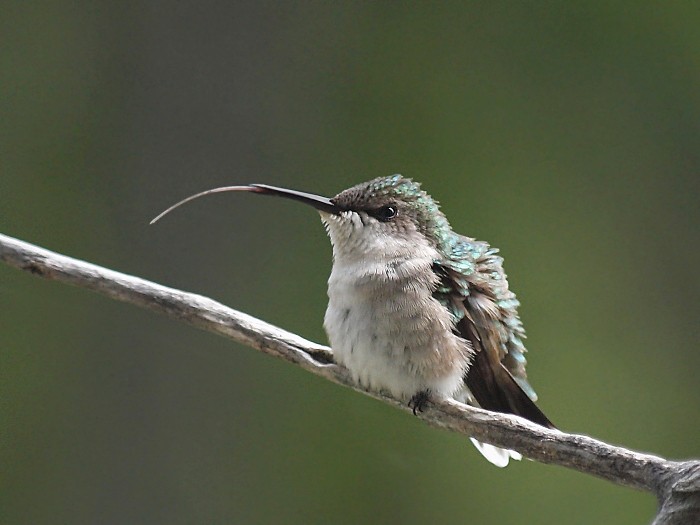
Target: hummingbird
<point x="415" y="309"/>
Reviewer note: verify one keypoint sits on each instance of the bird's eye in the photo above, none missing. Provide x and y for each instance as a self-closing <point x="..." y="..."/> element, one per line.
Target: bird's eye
<point x="386" y="213"/>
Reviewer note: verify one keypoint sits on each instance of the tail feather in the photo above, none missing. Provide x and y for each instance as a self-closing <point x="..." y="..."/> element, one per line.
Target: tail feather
<point x="492" y="387"/>
<point x="497" y="456"/>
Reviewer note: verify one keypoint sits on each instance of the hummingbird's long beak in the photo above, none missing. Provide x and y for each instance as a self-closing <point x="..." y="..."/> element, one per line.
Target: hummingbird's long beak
<point x="320" y="203"/>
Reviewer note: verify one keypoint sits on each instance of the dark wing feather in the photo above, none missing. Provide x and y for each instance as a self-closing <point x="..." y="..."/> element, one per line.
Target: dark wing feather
<point x="492" y="385"/>
<point x="474" y="287"/>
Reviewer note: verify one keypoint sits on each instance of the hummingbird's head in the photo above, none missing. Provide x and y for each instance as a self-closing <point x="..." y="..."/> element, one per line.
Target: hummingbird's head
<point x="385" y="209"/>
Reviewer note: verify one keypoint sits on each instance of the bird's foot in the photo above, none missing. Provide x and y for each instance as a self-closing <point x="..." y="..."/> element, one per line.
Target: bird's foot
<point x="419" y="401"/>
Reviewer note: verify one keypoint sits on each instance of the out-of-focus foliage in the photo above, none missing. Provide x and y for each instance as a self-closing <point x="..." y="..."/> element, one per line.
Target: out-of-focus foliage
<point x="566" y="133"/>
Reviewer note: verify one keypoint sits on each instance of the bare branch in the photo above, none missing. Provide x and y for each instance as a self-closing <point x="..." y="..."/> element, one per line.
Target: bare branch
<point x="675" y="483"/>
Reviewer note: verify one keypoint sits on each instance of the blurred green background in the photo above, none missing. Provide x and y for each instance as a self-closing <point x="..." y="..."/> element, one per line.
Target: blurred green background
<point x="565" y="133"/>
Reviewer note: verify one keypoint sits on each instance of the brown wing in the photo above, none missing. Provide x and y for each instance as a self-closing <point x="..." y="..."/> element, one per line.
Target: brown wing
<point x="491" y="384"/>
<point x="475" y="288"/>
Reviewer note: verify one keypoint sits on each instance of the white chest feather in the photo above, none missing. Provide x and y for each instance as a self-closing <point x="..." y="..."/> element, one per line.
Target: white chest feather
<point x="383" y="323"/>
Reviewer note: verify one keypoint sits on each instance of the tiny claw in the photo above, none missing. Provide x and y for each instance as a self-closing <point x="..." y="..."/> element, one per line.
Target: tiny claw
<point x="419" y="401"/>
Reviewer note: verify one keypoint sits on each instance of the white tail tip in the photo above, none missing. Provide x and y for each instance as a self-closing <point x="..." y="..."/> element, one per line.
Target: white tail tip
<point x="497" y="456"/>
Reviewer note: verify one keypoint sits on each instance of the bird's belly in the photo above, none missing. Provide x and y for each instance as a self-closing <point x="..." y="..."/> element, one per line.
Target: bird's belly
<point x="398" y="342"/>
